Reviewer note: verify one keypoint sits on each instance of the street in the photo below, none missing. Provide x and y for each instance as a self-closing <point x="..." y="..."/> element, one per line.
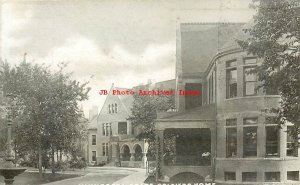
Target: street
<point x="92" y="175"/>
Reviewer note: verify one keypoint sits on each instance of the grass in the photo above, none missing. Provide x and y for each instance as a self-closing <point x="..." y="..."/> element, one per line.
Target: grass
<point x="32" y="178"/>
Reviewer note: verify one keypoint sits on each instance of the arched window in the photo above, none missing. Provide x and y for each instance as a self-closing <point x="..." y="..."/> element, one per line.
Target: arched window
<point x="109" y="109"/>
<point x="112" y="108"/>
<point x="116" y="108"/>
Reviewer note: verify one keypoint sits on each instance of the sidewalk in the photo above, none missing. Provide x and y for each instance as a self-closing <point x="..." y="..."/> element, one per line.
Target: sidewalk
<point x="135" y="178"/>
<point x="69" y="171"/>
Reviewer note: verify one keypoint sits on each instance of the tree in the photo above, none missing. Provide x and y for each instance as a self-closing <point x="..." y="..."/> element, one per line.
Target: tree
<point x="144" y="112"/>
<point x="2" y="128"/>
<point x="275" y="38"/>
<point x="43" y="107"/>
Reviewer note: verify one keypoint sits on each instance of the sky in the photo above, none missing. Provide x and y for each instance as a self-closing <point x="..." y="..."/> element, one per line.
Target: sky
<point x="125" y="42"/>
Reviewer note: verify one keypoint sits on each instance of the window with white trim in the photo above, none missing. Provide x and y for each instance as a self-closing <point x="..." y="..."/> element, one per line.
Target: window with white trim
<point x="231" y="137"/>
<point x="250" y="137"/>
<point x="104" y="149"/>
<point x="231" y="79"/>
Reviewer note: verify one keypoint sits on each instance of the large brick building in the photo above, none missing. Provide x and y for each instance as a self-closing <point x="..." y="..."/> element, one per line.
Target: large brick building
<point x="222" y="136"/>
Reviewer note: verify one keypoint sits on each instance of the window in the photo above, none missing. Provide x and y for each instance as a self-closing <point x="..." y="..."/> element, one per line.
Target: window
<point x="249" y="176"/>
<point x="231" y="63"/>
<point x="229" y="176"/>
<point x="110" y="129"/>
<point x="272" y="176"/>
<point x="250" y="121"/>
<point x="104" y="149"/>
<point x="231" y="79"/>
<point x="291" y="147"/>
<point x="231" y="138"/>
<point x="103" y="128"/>
<point x="93" y="139"/>
<point x="250" y="81"/>
<point x="231" y="122"/>
<point x="272" y="141"/>
<point x="211" y="88"/>
<point x="106" y="129"/>
<point x="293" y="175"/>
<point x="122" y="128"/>
<point x="250" y="137"/>
<point x="112" y="108"/>
<point x="93" y="155"/>
<point x="250" y="61"/>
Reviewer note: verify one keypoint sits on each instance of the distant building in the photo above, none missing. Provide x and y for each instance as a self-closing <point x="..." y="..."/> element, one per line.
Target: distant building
<point x="112" y="138"/>
<point x="222" y="136"/>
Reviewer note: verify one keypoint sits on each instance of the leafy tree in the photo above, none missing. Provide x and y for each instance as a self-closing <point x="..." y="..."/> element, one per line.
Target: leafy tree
<point x="144" y="112"/>
<point x="43" y="108"/>
<point x="275" y="38"/>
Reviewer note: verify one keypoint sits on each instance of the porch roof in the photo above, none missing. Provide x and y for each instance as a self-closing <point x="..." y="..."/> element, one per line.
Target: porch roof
<point x="204" y="113"/>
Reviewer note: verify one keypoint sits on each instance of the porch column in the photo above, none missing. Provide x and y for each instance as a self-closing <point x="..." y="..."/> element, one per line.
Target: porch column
<point x="144" y="159"/>
<point x="282" y="148"/>
<point x="159" y="152"/>
<point x="282" y="140"/>
<point x="132" y="157"/>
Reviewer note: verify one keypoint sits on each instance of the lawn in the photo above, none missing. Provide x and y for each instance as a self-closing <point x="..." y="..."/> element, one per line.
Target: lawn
<point x="32" y="178"/>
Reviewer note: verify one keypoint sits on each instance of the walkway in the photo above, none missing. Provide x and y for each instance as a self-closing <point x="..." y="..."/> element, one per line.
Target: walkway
<point x="135" y="178"/>
<point x="101" y="175"/>
<point x="98" y="175"/>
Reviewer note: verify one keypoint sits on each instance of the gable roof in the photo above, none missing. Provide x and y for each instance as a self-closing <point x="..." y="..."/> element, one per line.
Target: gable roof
<point x="126" y="100"/>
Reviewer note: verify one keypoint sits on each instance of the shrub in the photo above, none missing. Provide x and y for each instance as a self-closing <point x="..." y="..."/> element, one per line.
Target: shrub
<point x="78" y="163"/>
<point x="61" y="166"/>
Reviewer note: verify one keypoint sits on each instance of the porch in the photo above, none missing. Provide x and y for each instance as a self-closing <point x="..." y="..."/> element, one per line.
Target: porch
<point x="186" y="144"/>
<point x="133" y="153"/>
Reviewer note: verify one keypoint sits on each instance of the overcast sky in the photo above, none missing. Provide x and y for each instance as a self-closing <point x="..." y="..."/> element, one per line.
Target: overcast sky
<point x="125" y="42"/>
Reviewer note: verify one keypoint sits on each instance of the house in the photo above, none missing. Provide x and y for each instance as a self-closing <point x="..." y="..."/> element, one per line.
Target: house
<point x="222" y="136"/>
<point x="112" y="137"/>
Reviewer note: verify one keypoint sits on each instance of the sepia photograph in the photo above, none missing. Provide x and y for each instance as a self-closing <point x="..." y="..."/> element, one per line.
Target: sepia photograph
<point x="149" y="92"/>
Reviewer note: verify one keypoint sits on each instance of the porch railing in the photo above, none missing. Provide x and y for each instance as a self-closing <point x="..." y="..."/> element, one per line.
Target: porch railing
<point x="186" y="160"/>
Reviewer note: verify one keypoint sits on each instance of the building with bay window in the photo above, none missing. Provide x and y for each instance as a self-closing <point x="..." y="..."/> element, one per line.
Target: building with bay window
<point x="226" y="135"/>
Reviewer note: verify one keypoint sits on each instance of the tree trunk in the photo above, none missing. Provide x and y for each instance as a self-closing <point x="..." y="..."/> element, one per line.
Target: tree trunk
<point x="40" y="160"/>
<point x="52" y="161"/>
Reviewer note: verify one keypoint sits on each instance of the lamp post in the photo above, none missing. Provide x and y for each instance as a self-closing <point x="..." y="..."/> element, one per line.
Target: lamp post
<point x="8" y="169"/>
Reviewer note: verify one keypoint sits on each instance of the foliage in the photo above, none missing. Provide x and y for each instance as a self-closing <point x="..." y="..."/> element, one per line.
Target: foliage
<point x="275" y="38"/>
<point x="78" y="163"/>
<point x="43" y="107"/>
<point x="144" y="112"/>
<point x="31" y="160"/>
<point x="61" y="165"/>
